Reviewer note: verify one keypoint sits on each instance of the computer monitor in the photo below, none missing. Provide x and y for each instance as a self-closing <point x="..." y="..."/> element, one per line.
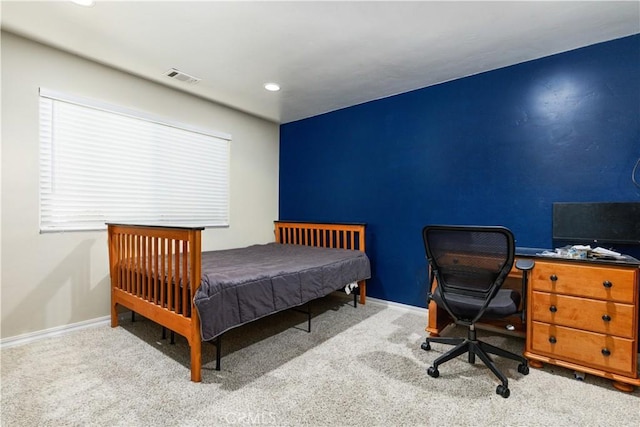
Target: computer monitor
<point x="598" y="223"/>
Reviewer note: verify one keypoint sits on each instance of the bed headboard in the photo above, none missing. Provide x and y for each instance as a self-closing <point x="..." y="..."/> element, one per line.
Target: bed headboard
<point x="326" y="235"/>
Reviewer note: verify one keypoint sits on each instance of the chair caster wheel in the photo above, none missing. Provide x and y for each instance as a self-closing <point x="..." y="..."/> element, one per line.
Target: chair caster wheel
<point x="503" y="391"/>
<point x="580" y="376"/>
<point x="426" y="346"/>
<point x="433" y="372"/>
<point x="523" y="368"/>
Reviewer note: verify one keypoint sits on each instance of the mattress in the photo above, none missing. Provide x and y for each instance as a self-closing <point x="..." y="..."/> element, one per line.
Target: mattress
<point x="245" y="284"/>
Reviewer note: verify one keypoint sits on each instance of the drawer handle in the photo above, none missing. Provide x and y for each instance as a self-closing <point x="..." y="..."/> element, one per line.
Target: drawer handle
<point x="553" y="277"/>
<point x="552" y="340"/>
<point x="607" y="284"/>
<point x="606" y="318"/>
<point x="605" y="352"/>
<point x="553" y="309"/>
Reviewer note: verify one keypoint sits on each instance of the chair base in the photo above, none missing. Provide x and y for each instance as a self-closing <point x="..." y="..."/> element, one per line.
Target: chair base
<point x="474" y="347"/>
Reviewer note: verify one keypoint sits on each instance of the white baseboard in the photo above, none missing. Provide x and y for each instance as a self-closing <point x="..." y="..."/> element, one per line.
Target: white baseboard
<point x="65" y="329"/>
<point x="398" y="306"/>
<point x="52" y="332"/>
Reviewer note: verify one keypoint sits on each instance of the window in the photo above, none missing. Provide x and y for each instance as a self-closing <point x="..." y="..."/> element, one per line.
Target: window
<point x="101" y="163"/>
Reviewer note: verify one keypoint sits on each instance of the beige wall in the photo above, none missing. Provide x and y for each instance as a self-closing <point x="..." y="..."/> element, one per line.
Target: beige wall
<point x="57" y="279"/>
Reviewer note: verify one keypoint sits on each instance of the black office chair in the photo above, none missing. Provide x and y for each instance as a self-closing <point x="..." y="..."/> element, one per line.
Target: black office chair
<point x="470" y="264"/>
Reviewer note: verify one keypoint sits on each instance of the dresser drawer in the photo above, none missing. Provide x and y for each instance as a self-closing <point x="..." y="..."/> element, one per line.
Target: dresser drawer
<point x="612" y="318"/>
<point x="606" y="283"/>
<point x="613" y="354"/>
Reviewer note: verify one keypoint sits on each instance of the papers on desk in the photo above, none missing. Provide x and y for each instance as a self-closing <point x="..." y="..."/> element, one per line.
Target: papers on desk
<point x="582" y="252"/>
<point x="605" y="252"/>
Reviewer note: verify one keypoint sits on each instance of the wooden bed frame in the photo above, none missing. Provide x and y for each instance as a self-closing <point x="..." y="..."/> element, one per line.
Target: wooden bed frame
<point x="140" y="255"/>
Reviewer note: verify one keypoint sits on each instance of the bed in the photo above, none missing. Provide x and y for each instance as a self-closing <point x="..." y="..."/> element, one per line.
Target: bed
<point x="161" y="273"/>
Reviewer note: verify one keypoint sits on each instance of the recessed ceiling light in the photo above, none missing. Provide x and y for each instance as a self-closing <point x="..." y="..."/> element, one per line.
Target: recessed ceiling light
<point x="272" y="87"/>
<point x="84" y="2"/>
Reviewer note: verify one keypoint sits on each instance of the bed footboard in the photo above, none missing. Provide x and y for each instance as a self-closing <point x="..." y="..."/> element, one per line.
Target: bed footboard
<point x="155" y="271"/>
<point x="337" y="235"/>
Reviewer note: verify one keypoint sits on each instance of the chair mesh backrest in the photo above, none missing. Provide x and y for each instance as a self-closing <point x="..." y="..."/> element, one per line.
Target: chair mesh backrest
<point x="467" y="260"/>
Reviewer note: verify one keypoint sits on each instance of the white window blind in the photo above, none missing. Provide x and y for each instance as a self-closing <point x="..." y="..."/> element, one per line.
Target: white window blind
<point x="101" y="163"/>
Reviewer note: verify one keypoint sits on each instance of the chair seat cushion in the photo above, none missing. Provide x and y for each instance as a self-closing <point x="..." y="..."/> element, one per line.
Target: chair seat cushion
<point x="505" y="303"/>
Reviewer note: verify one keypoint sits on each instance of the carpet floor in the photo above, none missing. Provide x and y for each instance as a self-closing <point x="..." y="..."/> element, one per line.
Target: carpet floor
<point x="358" y="367"/>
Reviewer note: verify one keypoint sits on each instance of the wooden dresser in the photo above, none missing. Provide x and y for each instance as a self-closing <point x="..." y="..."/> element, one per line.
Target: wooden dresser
<point x="583" y="316"/>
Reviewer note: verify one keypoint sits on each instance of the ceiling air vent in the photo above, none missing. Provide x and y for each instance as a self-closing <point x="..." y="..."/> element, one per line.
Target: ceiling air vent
<point x="183" y="77"/>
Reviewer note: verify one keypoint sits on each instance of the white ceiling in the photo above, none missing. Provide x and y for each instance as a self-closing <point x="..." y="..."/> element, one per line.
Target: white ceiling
<point x="326" y="55"/>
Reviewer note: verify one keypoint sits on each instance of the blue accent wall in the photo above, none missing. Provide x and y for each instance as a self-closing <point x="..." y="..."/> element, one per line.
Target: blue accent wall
<point x="494" y="148"/>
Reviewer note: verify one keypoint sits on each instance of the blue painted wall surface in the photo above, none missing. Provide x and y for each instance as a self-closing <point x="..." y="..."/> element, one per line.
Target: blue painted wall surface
<point x="495" y="148"/>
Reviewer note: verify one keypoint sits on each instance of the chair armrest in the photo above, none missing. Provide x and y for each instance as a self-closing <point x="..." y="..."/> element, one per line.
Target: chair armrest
<point x="432" y="277"/>
<point x="525" y="264"/>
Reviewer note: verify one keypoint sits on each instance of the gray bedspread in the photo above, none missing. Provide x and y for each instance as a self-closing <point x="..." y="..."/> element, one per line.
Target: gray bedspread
<point x="241" y="285"/>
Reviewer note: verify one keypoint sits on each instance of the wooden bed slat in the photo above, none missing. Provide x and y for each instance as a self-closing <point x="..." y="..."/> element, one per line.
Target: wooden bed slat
<point x="139" y="251"/>
<point x="170" y="273"/>
<point x="129" y="279"/>
<point x="154" y="268"/>
<point x="185" y="280"/>
<point x="163" y="256"/>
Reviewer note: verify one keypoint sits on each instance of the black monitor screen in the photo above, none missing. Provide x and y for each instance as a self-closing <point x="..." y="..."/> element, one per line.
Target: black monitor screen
<point x="615" y="222"/>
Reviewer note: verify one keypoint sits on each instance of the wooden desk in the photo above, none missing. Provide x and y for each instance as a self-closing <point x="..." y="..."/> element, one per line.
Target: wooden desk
<point x="581" y="315"/>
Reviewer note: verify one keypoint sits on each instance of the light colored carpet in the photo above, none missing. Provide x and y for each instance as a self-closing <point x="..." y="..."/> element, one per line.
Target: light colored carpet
<point x="359" y="366"/>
